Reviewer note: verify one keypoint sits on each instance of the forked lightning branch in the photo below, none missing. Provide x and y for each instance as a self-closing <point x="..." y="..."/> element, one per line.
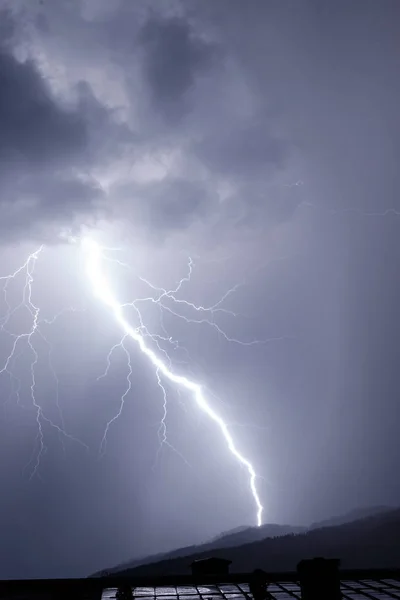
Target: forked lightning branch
<point x="147" y="343"/>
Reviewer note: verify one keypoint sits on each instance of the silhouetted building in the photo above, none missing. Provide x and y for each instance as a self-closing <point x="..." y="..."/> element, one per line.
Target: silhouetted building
<point x="124" y="593"/>
<point x="258" y="585"/>
<point x="210" y="566"/>
<point x="319" y="574"/>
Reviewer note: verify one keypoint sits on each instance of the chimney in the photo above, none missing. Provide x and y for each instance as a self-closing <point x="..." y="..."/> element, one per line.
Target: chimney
<point x="319" y="578"/>
<point x="210" y="566"/>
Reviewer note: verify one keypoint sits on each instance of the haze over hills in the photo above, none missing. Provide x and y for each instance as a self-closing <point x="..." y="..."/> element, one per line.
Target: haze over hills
<point x="278" y="542"/>
<point x="353" y="515"/>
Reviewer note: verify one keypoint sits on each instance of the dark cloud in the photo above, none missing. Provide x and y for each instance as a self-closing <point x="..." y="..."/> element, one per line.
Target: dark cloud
<point x="173" y="57"/>
<point x="34" y="129"/>
<point x="44" y="205"/>
<point x="238" y="144"/>
<point x="41" y="143"/>
<point x="47" y="150"/>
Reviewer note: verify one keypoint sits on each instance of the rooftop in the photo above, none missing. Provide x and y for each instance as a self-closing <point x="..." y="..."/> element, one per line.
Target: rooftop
<point x="319" y="578"/>
<point x="386" y="589"/>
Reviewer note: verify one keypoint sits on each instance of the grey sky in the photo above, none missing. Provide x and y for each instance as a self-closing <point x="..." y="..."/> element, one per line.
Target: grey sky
<point x="262" y="139"/>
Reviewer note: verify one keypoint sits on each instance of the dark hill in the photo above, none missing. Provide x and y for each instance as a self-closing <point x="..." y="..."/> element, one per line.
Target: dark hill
<point x="369" y="542"/>
<point x="236" y="537"/>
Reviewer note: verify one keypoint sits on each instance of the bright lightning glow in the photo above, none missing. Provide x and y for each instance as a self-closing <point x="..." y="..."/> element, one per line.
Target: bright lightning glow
<point x="18" y="298"/>
<point x="101" y="288"/>
<point x="34" y="344"/>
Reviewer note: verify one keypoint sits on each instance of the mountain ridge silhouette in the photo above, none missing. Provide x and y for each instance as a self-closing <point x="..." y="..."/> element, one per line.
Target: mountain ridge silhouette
<point x="280" y="547"/>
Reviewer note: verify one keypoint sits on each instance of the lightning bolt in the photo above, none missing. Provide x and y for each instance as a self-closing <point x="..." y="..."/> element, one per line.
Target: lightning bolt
<point x="94" y="258"/>
<point x="27" y="341"/>
<point x="149" y="343"/>
<point x="152" y="345"/>
<point x="124" y="395"/>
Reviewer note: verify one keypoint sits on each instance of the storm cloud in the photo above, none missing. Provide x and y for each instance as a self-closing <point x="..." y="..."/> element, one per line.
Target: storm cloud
<point x="262" y="141"/>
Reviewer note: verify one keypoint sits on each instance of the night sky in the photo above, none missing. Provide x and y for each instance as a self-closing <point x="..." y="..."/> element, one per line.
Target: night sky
<point x="258" y="144"/>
